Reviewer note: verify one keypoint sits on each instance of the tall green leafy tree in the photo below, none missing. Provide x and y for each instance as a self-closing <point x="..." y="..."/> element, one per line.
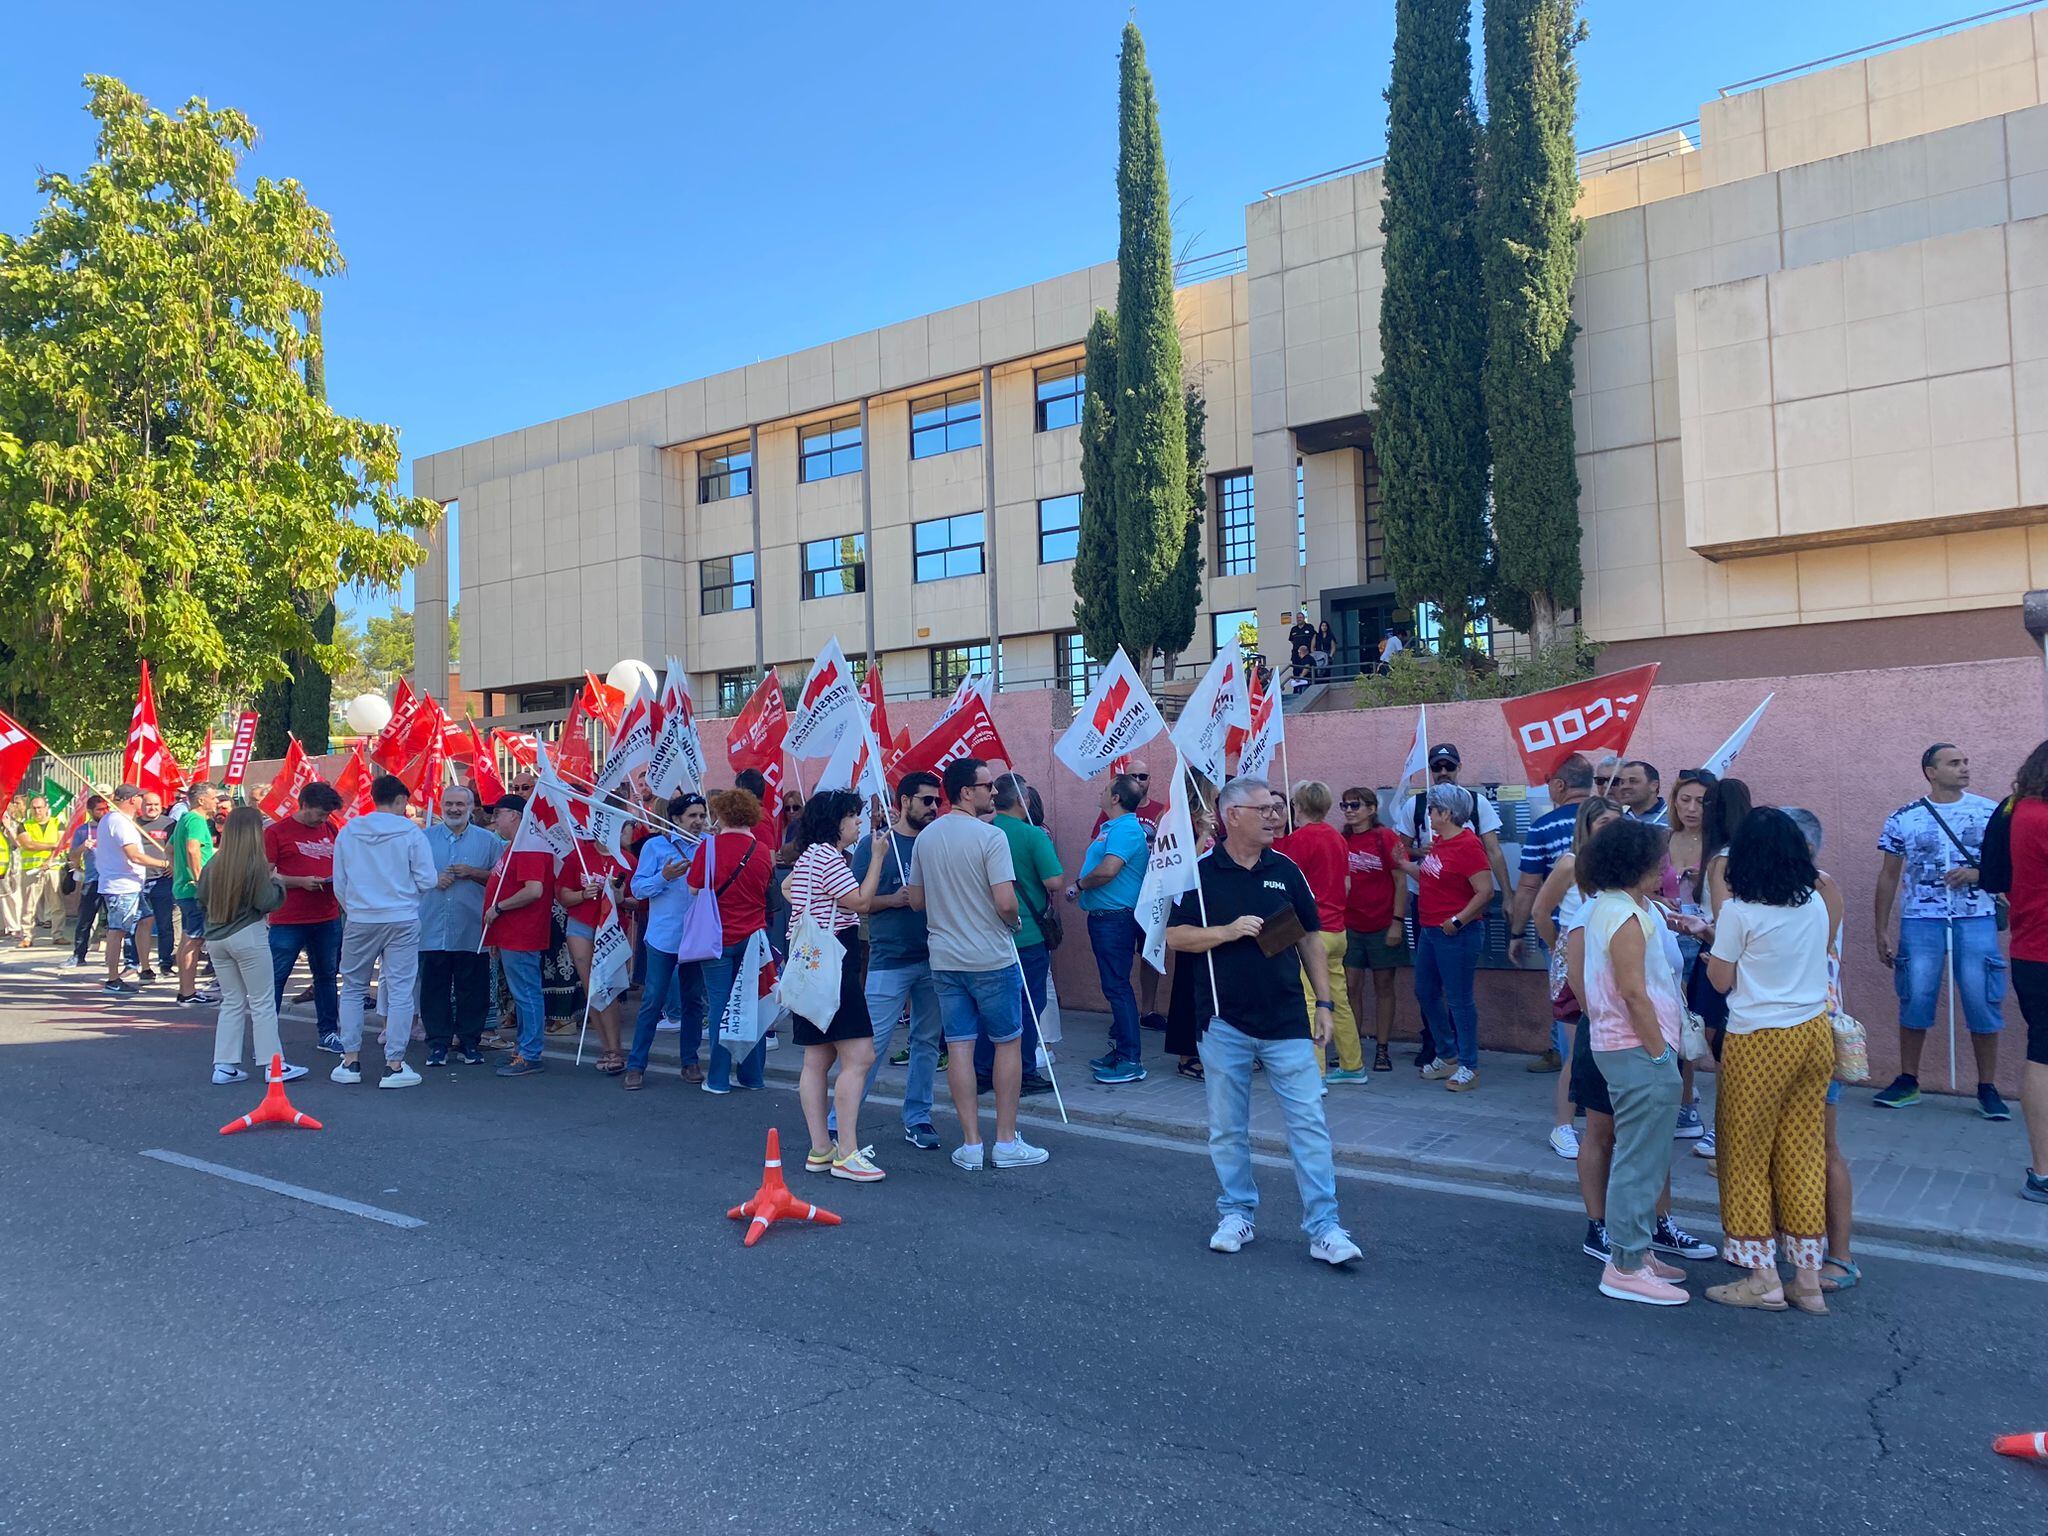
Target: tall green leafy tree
<point x="1430" y="436"/>
<point x="1095" y="564"/>
<point x="1151" y="455"/>
<point x="179" y="488"/>
<point x="1186" y="596"/>
<point x="1529" y="251"/>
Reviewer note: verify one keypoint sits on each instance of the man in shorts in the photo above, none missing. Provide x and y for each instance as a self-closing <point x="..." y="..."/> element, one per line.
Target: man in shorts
<point x="125" y="863"/>
<point x="191" y="848"/>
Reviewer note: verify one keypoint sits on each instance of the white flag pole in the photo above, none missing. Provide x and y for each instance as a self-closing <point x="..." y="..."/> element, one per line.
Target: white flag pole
<point x="1023" y="981"/>
<point x="1948" y="929"/>
<point x="1201" y="900"/>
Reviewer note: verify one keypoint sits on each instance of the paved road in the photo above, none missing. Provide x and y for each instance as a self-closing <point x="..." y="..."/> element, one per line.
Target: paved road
<point x="575" y="1340"/>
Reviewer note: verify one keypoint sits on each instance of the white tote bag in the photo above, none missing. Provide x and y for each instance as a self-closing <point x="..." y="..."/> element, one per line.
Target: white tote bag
<point x="1049" y="1017"/>
<point x="747" y="1012"/>
<point x="811" y="971"/>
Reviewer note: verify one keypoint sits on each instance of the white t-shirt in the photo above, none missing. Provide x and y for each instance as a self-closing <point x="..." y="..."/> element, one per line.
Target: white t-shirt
<point x="119" y="839"/>
<point x="1780" y="955"/>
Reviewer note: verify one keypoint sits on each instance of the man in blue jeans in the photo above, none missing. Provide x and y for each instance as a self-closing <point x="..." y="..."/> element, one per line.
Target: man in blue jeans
<point x="1112" y="872"/>
<point x="1256" y="1016"/>
<point x="516" y="907"/>
<point x="300" y="848"/>
<point x="962" y="880"/>
<point x="1931" y="851"/>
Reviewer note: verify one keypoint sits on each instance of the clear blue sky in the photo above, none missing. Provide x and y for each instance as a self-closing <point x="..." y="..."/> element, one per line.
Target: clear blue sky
<point x="545" y="211"/>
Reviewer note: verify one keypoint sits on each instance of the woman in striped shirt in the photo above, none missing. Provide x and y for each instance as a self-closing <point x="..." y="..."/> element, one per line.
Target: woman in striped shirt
<point x="821" y="887"/>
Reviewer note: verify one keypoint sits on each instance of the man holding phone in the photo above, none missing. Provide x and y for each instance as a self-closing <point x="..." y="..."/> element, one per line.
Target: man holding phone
<point x="301" y="849"/>
<point x="1253" y="923"/>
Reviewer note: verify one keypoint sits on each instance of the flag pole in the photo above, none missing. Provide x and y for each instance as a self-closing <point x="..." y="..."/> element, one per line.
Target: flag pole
<point x="525" y="815"/>
<point x="1025" y="983"/>
<point x="1201" y="900"/>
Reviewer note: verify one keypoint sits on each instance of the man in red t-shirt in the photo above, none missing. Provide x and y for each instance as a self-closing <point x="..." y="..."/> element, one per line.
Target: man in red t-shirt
<point x="516" y="907"/>
<point x="301" y="849"/>
<point x="1317" y="848"/>
<point x="2028" y="896"/>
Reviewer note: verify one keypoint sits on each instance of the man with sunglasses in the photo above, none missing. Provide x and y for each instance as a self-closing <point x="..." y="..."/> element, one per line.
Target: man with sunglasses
<point x="899" y="960"/>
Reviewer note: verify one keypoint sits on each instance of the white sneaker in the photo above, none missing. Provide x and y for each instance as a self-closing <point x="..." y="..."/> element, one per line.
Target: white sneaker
<point x="968" y="1156"/>
<point x="398" y="1075"/>
<point x="344" y="1073"/>
<point x="1564" y="1141"/>
<point x="1333" y="1245"/>
<point x="1019" y="1154"/>
<point x="1231" y="1234"/>
<point x="858" y="1167"/>
<point x="225" y="1072"/>
<point x="1704" y="1147"/>
<point x="288" y="1073"/>
<point x="666" y="1025"/>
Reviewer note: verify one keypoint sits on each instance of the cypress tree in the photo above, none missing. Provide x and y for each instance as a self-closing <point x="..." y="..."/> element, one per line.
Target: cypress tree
<point x="1430" y="436"/>
<point x="1150" y="458"/>
<point x="1529" y="233"/>
<point x="1184" y="598"/>
<point x="1095" y="563"/>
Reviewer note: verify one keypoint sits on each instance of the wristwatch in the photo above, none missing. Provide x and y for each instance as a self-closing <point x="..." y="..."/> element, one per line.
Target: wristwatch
<point x="1321" y="1004"/>
<point x="1457" y="925"/>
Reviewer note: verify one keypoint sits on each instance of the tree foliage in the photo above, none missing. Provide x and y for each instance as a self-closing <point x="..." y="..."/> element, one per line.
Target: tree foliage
<point x="178" y="489"/>
<point x="1529" y="229"/>
<point x="1151" y="453"/>
<point x="1185" y="599"/>
<point x="1430" y="436"/>
<point x="1095" y="563"/>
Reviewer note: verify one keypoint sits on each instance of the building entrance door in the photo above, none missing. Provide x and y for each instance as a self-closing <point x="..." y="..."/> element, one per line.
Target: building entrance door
<point x="1359" y="620"/>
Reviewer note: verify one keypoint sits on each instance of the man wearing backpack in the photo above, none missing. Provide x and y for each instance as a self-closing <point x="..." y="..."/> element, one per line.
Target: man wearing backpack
<point x="1947" y="923"/>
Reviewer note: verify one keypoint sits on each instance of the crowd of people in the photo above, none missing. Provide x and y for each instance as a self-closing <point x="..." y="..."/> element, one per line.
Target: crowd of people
<point x="1676" y="931"/>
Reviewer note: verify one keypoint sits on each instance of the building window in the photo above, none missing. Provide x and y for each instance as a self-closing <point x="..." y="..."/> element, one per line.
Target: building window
<point x="1375" y="529"/>
<point x="531" y="701"/>
<point x="1237" y="628"/>
<point x="1237" y="533"/>
<point x="835" y="567"/>
<point x="949" y="546"/>
<point x="727" y="583"/>
<point x="734" y="689"/>
<point x="1300" y="513"/>
<point x="951" y="664"/>
<point x="945" y="423"/>
<point x="1060" y="388"/>
<point x="725" y="471"/>
<point x="1059" y="528"/>
<point x="829" y="448"/>
<point x="1074" y="668"/>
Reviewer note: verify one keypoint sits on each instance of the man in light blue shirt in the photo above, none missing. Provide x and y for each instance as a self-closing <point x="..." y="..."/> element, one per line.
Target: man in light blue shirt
<point x="658" y="880"/>
<point x="455" y="973"/>
<point x="1112" y="872"/>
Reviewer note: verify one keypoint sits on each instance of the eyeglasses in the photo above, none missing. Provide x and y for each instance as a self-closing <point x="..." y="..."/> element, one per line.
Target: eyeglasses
<point x="1143" y="778"/>
<point x="983" y="784"/>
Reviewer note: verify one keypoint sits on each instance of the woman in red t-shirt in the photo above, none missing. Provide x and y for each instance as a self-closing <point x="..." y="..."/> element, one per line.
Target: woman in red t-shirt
<point x="2028" y="897"/>
<point x="586" y="880"/>
<point x="1454" y="885"/>
<point x="735" y="865"/>
<point x="1375" y="910"/>
<point x="1318" y="850"/>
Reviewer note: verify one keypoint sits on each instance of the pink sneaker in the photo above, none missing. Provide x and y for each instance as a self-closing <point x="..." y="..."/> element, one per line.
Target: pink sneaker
<point x="1641" y="1286"/>
<point x="1663" y="1271"/>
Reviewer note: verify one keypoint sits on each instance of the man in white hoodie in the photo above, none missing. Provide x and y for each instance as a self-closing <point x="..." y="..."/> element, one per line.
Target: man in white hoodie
<point x="382" y="866"/>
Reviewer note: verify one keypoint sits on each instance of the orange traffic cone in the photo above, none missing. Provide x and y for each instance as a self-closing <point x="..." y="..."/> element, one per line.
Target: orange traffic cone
<point x="275" y="1109"/>
<point x="773" y="1202"/>
<point x="2032" y="1446"/>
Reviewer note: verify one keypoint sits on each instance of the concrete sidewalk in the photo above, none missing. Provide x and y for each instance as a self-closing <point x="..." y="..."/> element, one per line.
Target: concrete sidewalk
<point x="1935" y="1175"/>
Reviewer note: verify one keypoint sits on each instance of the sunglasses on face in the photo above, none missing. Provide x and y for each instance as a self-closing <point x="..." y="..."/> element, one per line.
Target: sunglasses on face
<point x="1142" y="778"/>
<point x="1443" y="767"/>
<point x="926" y="799"/>
<point x="1358" y="805"/>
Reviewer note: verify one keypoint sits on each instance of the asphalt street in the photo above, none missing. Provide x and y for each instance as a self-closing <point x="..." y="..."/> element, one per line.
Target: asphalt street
<point x="575" y="1339"/>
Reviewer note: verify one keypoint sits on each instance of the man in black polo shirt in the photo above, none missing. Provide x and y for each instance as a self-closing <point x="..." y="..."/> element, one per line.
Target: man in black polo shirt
<point x="1256" y="1015"/>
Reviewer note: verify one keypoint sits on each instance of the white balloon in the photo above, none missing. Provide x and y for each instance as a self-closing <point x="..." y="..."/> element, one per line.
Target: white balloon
<point x="631" y="677"/>
<point x="367" y="713"/>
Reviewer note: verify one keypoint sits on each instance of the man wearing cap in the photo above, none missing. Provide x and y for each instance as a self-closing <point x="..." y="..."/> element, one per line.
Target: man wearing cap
<point x="125" y="861"/>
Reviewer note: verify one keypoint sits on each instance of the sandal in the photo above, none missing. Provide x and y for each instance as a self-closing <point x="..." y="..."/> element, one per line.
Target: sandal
<point x="1765" y="1296"/>
<point x="1850" y="1277"/>
<point x="1812" y="1302"/>
<point x="560" y="1026"/>
<point x="1190" y="1067"/>
<point x="612" y="1063"/>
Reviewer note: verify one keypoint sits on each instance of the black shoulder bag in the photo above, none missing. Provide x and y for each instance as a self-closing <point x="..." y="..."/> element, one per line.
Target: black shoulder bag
<point x="1998" y="901"/>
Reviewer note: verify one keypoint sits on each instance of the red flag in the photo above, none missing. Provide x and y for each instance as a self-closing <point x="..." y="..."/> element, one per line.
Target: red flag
<point x="878" y="711"/>
<point x="18" y="747"/>
<point x="414" y="718"/>
<point x="755" y="740"/>
<point x="483" y="770"/>
<point x="238" y="753"/>
<point x="202" y="765"/>
<point x="353" y="785"/>
<point x="518" y="746"/>
<point x="144" y="764"/>
<point x="572" y="747"/>
<point x="1598" y="715"/>
<point x="427" y="774"/>
<point x="175" y="776"/>
<point x="602" y="701"/>
<point x="456" y="743"/>
<point x="968" y="732"/>
<point x="282" y="798"/>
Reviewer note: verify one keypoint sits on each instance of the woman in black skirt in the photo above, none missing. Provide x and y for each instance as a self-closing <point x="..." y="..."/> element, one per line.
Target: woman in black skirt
<point x="821" y="886"/>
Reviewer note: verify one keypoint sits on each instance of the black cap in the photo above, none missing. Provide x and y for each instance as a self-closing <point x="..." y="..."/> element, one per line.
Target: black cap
<point x="1444" y="752"/>
<point x="510" y="803"/>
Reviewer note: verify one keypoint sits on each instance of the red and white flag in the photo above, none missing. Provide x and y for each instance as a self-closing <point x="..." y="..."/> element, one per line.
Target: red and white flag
<point x="202" y="765"/>
<point x="1218" y="704"/>
<point x="571" y="752"/>
<point x="630" y="751"/>
<point x="677" y="765"/>
<point x="856" y="764"/>
<point x="293" y="775"/>
<point x="878" y="709"/>
<point x="518" y="745"/>
<point x="1414" y="777"/>
<point x="1261" y="746"/>
<point x="238" y="752"/>
<point x="145" y="763"/>
<point x="759" y="730"/>
<point x="969" y="732"/>
<point x="484" y="782"/>
<point x="18" y="748"/>
<point x="975" y="685"/>
<point x="415" y="721"/>
<point x="827" y="709"/>
<point x="1118" y="717"/>
<point x="353" y="785"/>
<point x="611" y="955"/>
<point x="427" y="774"/>
<point x="601" y="701"/>
<point x="1170" y="871"/>
<point x="1597" y="715"/>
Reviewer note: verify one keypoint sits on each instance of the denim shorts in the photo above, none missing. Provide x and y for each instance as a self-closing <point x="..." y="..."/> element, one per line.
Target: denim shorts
<point x="576" y="930"/>
<point x="973" y="1001"/>
<point x="192" y="917"/>
<point x="124" y="913"/>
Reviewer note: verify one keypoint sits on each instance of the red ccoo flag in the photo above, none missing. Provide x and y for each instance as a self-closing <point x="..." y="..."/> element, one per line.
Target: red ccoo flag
<point x="968" y="732"/>
<point x="353" y="785"/>
<point x="878" y="709"/>
<point x="1598" y="715"/>
<point x="144" y="763"/>
<point x="758" y="731"/>
<point x="296" y="772"/>
<point x="484" y="782"/>
<point x="18" y="748"/>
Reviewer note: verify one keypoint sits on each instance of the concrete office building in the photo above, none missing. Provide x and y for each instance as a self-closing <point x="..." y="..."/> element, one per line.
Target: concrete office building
<point x="1811" y="414"/>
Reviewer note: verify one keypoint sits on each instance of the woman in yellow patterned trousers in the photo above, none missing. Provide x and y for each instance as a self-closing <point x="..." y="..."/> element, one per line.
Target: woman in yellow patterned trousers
<point x="1770" y="955"/>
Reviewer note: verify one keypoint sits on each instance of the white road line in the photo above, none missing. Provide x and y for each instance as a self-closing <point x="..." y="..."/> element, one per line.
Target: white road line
<point x="1499" y="1194"/>
<point x="290" y="1191"/>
